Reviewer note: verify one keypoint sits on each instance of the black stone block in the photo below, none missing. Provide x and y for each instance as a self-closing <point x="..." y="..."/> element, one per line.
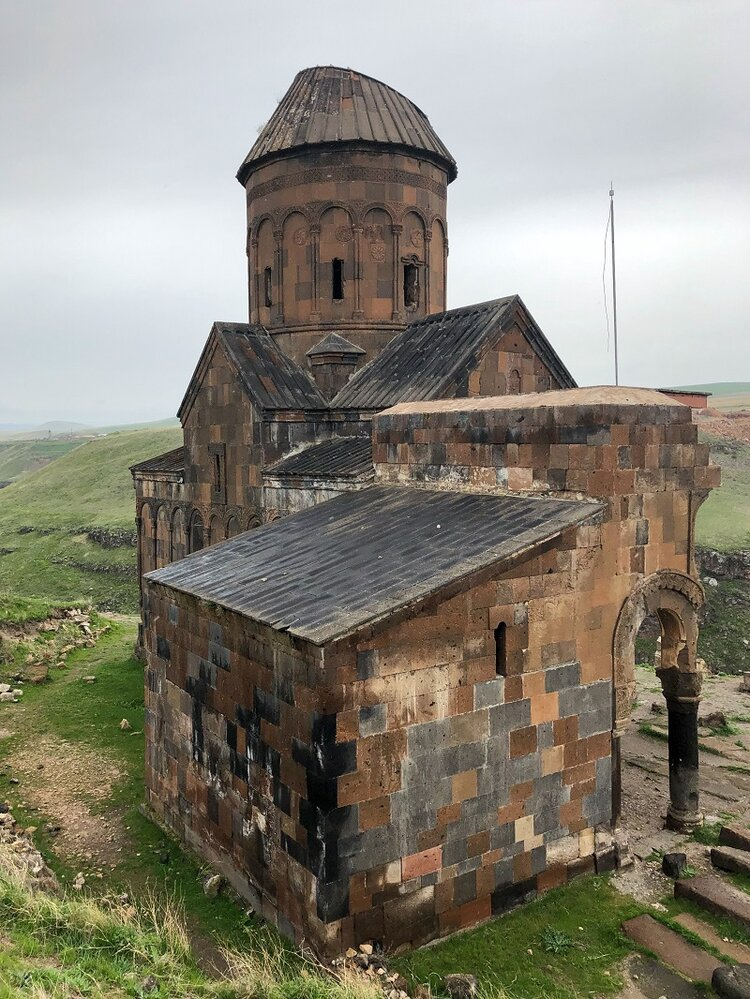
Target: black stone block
<point x="674" y="864"/>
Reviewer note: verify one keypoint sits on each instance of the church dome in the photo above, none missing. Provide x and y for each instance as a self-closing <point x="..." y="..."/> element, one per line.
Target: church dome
<point x="327" y="105"/>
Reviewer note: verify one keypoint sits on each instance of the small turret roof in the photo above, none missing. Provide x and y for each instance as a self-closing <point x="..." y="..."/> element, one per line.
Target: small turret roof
<point x="334" y="343"/>
<point x="328" y="104"/>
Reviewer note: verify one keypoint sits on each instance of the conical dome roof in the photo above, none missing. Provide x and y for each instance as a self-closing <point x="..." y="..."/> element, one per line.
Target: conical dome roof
<point x="327" y="105"/>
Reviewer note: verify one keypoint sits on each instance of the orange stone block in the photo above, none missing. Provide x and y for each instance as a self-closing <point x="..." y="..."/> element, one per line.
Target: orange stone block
<point x="418" y="864"/>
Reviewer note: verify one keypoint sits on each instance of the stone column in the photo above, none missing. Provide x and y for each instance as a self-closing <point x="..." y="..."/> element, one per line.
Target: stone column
<point x="315" y="268"/>
<point x="279" y="276"/>
<point x="397" y="314"/>
<point x="254" y="282"/>
<point x="682" y="693"/>
<point x="427" y="244"/>
<point x="358" y="313"/>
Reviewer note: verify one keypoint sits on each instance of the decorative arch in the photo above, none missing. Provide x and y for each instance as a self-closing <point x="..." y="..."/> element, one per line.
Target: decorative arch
<point x="147" y="525"/>
<point x="233" y="526"/>
<point x="675" y="599"/>
<point x="252" y="520"/>
<point x="161" y="536"/>
<point x="214" y="530"/>
<point x="177" y="536"/>
<point x="196" y="532"/>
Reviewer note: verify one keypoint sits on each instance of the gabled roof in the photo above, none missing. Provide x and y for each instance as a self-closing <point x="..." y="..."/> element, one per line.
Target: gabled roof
<point x="342" y="565"/>
<point x="338" y="458"/>
<point x="329" y="104"/>
<point x="169" y="463"/>
<point x="334" y="343"/>
<point x="271" y="378"/>
<point x="432" y="358"/>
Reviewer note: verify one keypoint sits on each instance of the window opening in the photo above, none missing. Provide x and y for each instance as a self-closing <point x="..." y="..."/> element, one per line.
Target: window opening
<point x="268" y="287"/>
<point x="337" y="279"/>
<point x="411" y="286"/>
<point x="218" y="485"/>
<point x="501" y="651"/>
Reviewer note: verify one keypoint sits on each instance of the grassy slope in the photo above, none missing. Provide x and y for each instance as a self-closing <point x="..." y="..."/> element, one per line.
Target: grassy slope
<point x="20" y="457"/>
<point x="89" y="487"/>
<point x="723" y="521"/>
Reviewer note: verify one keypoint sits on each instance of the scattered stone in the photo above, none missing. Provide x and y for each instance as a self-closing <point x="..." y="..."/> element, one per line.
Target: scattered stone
<point x="736" y="836"/>
<point x="8" y="697"/>
<point x="350" y="953"/>
<point x="89" y="679"/>
<point x="715" y="719"/>
<point x="658" y="708"/>
<point x="460" y="986"/>
<point x="79" y="881"/>
<point x="674" y="864"/>
<point x="732" y="983"/>
<point x="4" y="688"/>
<point x="125" y="725"/>
<point x="365" y="948"/>
<point x="213" y="885"/>
<point x="727" y="858"/>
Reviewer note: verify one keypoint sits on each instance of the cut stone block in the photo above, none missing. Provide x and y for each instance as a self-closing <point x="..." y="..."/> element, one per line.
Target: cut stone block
<point x="715" y="896"/>
<point x="735" y="836"/>
<point x="671" y="948"/>
<point x="727" y="858"/>
<point x="736" y="951"/>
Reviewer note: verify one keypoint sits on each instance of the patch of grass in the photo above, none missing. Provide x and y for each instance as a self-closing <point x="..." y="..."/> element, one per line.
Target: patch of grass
<point x="44" y="550"/>
<point x="19" y="610"/>
<point x="646" y="728"/>
<point x="19" y="457"/>
<point x="723" y="522"/>
<point x="726" y="623"/>
<point x="708" y="833"/>
<point x="587" y="912"/>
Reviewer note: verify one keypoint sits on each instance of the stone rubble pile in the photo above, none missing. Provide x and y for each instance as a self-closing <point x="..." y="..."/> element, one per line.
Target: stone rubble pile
<point x="19" y="856"/>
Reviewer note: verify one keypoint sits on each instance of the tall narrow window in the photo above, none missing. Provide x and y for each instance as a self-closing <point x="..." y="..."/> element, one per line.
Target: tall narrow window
<point x="337" y="279"/>
<point x="217" y="473"/>
<point x="501" y="651"/>
<point x="411" y="286"/>
<point x="268" y="287"/>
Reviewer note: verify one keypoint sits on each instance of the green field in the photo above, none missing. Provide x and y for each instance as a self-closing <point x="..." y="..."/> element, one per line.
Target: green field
<point x="44" y="548"/>
<point x="725" y="396"/>
<point x="723" y="521"/>
<point x="19" y="457"/>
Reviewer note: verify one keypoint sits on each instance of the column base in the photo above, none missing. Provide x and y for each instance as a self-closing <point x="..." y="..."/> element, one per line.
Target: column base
<point x="682" y="821"/>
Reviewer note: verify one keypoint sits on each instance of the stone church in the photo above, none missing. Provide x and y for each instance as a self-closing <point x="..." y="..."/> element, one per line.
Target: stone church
<point x="391" y="582"/>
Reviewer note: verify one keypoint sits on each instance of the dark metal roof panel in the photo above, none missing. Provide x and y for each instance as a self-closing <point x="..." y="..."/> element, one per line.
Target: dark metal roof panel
<point x="431" y="357"/>
<point x="169" y="462"/>
<point x="427" y="356"/>
<point x="329" y="104"/>
<point x="273" y="380"/>
<point x="340" y="457"/>
<point x="332" y="569"/>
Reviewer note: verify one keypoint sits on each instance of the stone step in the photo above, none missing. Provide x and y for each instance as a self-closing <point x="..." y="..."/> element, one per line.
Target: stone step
<point x="715" y="896"/>
<point x="728" y="858"/>
<point x="691" y="962"/>
<point x="735" y="951"/>
<point x="735" y="836"/>
<point x="647" y="979"/>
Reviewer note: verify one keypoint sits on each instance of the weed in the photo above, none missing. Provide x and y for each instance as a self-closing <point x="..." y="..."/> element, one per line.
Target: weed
<point x="556" y="941"/>
<point x="708" y="833"/>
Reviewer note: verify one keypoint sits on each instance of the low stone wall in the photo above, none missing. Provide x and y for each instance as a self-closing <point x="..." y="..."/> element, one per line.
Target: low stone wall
<point x="723" y="565"/>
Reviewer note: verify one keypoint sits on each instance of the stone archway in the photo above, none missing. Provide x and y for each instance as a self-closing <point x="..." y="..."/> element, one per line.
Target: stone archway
<point x="675" y="599"/>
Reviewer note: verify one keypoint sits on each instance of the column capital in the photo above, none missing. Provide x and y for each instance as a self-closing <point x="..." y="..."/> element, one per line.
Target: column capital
<point x="682" y="690"/>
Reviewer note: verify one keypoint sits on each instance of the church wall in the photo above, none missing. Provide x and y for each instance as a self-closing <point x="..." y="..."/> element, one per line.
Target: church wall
<point x="282" y="496"/>
<point x="512" y="367"/>
<point x="375" y="210"/>
<point x="222" y="426"/>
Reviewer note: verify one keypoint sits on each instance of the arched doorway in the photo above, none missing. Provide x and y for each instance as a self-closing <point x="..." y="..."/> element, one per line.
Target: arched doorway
<point x="675" y="599"/>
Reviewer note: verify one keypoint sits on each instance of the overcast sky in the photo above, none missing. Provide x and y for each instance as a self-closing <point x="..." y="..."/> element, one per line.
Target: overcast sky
<point x="123" y="122"/>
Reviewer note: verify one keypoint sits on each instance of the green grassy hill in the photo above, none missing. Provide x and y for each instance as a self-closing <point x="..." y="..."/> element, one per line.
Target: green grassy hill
<point x="723" y="521"/>
<point x="19" y="457"/>
<point x="45" y="550"/>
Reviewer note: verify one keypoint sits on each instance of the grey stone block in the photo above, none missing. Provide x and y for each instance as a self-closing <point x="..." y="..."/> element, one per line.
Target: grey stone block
<point x="595" y="722"/>
<point x="373" y="720"/>
<point x="506" y="717"/>
<point x="562" y="677"/>
<point x="489" y="694"/>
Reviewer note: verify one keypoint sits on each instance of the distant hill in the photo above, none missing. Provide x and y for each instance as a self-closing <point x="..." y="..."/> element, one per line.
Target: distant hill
<point x="725" y="396"/>
<point x="46" y="549"/>
<point x="19" y="457"/>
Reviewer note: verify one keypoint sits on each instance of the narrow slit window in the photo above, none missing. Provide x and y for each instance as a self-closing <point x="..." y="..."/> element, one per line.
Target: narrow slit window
<point x="218" y="484"/>
<point x="501" y="650"/>
<point x="337" y="279"/>
<point x="411" y="286"/>
<point x="268" y="287"/>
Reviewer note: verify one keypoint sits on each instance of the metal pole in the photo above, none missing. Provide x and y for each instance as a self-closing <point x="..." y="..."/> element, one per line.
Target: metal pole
<point x="614" y="279"/>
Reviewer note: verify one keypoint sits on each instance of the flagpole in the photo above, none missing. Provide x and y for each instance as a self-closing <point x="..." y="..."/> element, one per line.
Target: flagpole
<point x="614" y="279"/>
